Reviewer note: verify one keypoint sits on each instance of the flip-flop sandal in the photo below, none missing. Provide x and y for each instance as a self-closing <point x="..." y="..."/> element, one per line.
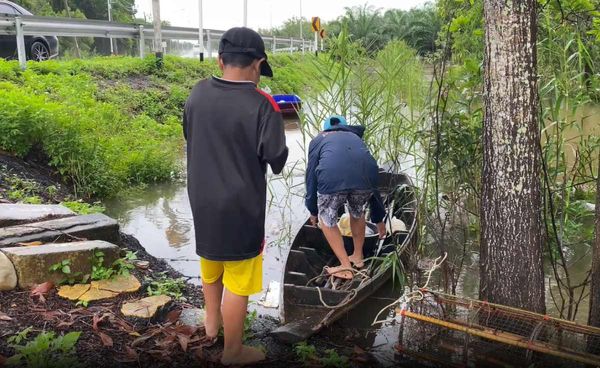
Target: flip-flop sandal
<point x="336" y="273"/>
<point x="358" y="265"/>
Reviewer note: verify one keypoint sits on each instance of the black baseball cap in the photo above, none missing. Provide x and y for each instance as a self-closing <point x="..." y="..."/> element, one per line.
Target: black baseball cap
<point x="242" y="40"/>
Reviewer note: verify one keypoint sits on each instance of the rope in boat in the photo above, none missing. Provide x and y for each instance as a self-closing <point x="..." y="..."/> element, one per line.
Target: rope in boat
<point x="412" y="295"/>
<point x="363" y="275"/>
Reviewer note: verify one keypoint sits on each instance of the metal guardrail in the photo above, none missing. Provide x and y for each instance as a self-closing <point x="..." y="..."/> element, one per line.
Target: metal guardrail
<point x="28" y="25"/>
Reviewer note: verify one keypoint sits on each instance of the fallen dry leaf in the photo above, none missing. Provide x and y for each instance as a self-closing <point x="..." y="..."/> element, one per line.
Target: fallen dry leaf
<point x="41" y="289"/>
<point x="130" y="356"/>
<point x="173" y="315"/>
<point x="96" y="319"/>
<point x="5" y="317"/>
<point x="107" y="341"/>
<point x="31" y="244"/>
<point x="183" y="341"/>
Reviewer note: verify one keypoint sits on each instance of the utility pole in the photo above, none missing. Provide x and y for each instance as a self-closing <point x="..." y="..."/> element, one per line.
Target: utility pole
<point x="157" y="28"/>
<point x="301" y="32"/>
<point x="109" y="5"/>
<point x="245" y="13"/>
<point x="200" y="31"/>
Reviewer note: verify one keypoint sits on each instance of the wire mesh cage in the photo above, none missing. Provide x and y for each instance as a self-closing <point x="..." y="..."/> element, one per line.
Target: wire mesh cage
<point x="452" y="331"/>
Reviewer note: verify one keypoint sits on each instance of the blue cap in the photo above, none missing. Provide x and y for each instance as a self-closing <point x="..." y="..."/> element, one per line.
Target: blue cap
<point x="333" y="121"/>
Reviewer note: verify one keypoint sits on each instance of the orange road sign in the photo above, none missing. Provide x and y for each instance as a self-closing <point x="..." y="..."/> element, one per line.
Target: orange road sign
<point x="322" y="33"/>
<point x="315" y="24"/>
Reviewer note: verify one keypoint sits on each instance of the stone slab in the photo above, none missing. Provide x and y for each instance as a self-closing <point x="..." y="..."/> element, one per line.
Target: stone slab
<point x="90" y="227"/>
<point x="8" y="275"/>
<point x="14" y="214"/>
<point x="32" y="264"/>
<point x="145" y="308"/>
<point x="192" y="317"/>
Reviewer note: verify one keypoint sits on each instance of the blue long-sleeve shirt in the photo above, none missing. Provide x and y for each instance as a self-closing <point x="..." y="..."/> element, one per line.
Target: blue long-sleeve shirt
<point x="338" y="161"/>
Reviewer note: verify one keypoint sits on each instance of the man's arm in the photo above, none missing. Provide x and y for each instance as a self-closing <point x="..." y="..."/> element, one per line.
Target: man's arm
<point x="271" y="141"/>
<point x="311" y="178"/>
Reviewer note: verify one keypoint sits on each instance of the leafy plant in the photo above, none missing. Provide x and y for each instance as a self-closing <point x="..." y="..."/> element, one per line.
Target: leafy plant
<point x="164" y="285"/>
<point x="46" y="350"/>
<point x="64" y="267"/>
<point x="306" y="353"/>
<point x="248" y="320"/>
<point x="99" y="271"/>
<point x="83" y="208"/>
<point x="121" y="266"/>
<point x="334" y="360"/>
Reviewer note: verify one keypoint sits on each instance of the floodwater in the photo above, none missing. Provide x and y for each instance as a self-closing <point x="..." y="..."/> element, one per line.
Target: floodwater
<point x="160" y="218"/>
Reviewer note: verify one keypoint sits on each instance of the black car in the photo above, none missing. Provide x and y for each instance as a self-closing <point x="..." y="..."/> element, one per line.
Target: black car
<point x="38" y="48"/>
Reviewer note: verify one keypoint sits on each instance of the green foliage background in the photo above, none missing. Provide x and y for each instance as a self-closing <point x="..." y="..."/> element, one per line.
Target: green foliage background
<point x="109" y="123"/>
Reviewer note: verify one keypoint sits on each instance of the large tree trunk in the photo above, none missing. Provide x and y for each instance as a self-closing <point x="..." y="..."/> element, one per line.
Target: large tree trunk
<point x="594" y="316"/>
<point x="511" y="224"/>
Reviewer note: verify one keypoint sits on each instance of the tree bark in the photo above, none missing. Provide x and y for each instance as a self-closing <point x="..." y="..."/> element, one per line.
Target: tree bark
<point x="511" y="265"/>
<point x="594" y="316"/>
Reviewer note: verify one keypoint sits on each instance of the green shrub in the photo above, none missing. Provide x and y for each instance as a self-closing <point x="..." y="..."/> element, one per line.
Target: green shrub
<point x="110" y="123"/>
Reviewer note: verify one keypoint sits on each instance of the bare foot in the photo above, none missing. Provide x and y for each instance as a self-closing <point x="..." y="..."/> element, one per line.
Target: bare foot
<point x="246" y="355"/>
<point x="340" y="272"/>
<point x="212" y="326"/>
<point x="357" y="261"/>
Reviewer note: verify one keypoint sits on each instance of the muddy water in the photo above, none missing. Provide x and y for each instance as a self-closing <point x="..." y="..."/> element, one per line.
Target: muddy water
<point x="160" y="218"/>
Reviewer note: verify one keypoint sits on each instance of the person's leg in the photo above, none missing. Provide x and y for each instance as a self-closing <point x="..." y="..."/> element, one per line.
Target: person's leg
<point x="358" y="238"/>
<point x="212" y="288"/>
<point x="357" y="202"/>
<point x="241" y="279"/>
<point x="328" y="205"/>
<point x="334" y="238"/>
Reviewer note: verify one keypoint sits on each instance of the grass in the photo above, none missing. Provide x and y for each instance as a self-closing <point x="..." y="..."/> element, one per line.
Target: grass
<point x="109" y="124"/>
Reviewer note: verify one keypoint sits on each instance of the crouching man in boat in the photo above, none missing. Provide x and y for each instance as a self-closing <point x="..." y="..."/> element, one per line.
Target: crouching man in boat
<point x="341" y="171"/>
<point x="233" y="130"/>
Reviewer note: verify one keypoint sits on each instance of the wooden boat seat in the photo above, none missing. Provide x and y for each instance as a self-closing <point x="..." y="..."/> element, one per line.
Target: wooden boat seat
<point x="297" y="278"/>
<point x="298" y="262"/>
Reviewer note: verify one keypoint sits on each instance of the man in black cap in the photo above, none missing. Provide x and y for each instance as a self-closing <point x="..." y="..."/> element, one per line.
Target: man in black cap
<point x="233" y="130"/>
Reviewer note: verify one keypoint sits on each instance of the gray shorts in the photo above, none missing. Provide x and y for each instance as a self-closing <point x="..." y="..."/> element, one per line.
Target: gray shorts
<point x="329" y="205"/>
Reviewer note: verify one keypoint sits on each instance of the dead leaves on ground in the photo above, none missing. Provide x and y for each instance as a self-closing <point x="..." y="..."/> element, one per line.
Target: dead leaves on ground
<point x="41" y="290"/>
<point x="5" y="317"/>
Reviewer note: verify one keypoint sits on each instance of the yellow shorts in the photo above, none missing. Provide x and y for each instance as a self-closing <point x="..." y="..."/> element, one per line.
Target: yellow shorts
<point x="240" y="277"/>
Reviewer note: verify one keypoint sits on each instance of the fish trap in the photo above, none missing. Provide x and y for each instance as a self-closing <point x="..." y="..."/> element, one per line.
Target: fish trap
<point x="447" y="330"/>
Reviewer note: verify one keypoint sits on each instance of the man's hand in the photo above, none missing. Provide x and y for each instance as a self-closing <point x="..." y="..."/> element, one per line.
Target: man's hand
<point x="381" y="230"/>
<point x="313" y="220"/>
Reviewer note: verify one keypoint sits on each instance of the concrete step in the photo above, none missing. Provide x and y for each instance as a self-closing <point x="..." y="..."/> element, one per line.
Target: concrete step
<point x="32" y="264"/>
<point x="86" y="227"/>
<point x="14" y="214"/>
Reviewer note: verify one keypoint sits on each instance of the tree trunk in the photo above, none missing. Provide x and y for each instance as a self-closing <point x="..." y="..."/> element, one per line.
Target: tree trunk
<point x="512" y="240"/>
<point x="594" y="316"/>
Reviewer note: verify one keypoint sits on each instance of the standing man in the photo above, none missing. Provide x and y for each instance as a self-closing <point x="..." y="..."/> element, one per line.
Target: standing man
<point x="342" y="172"/>
<point x="233" y="130"/>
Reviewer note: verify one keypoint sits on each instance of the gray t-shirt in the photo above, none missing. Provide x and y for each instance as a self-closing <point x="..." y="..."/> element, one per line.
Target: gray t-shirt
<point x="233" y="130"/>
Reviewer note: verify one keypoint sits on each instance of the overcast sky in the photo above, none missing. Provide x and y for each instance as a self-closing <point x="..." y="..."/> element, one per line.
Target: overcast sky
<point x="223" y="14"/>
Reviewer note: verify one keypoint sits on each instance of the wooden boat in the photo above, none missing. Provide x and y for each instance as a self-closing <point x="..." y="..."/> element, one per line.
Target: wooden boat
<point x="310" y="301"/>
